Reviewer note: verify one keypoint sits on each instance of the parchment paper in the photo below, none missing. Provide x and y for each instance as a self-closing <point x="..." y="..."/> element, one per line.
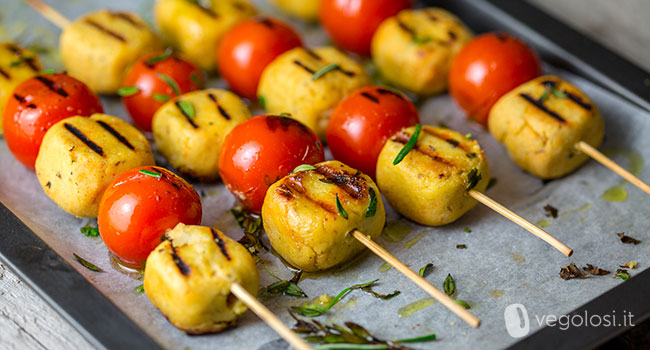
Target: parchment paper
<point x="503" y="264"/>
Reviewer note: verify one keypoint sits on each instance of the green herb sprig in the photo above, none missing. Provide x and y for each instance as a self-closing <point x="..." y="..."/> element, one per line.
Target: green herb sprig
<point x="127" y="91"/>
<point x="425" y="270"/>
<point x="171" y="82"/>
<point x="165" y="55"/>
<point x="155" y="174"/>
<point x="90" y="231"/>
<point x="251" y="224"/>
<point x="85" y="263"/>
<point x="285" y="287"/>
<point x="330" y="67"/>
<point x="187" y="108"/>
<point x="473" y="178"/>
<point x="409" y="145"/>
<point x="340" y="209"/>
<point x="372" y="206"/>
<point x="160" y="97"/>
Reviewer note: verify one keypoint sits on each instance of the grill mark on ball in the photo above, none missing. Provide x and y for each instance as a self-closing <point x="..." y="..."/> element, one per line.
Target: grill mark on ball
<point x="220" y="243"/>
<point x="346" y="72"/>
<point x="302" y="65"/>
<point x="189" y="119"/>
<point x="182" y="266"/>
<point x="542" y="107"/>
<point x="207" y="11"/>
<point x="370" y="97"/>
<point x="405" y="27"/>
<point x="5" y="74"/>
<point x="383" y="91"/>
<point x="19" y="98"/>
<point x="123" y="140"/>
<point x="292" y="188"/>
<point x="578" y="101"/>
<point x="83" y="138"/>
<point x="105" y="30"/>
<point x="30" y="62"/>
<point x="126" y="17"/>
<point x="50" y="84"/>
<point x="15" y="49"/>
<point x="354" y="185"/>
<point x="221" y="110"/>
<point x="266" y="22"/>
<point x="453" y="142"/>
<point x="430" y="152"/>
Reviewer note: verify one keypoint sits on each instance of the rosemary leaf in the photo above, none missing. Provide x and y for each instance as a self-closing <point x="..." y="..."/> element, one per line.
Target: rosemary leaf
<point x="409" y="145"/>
<point x="127" y="91"/>
<point x="85" y="263"/>
<point x="372" y="206"/>
<point x="330" y="67"/>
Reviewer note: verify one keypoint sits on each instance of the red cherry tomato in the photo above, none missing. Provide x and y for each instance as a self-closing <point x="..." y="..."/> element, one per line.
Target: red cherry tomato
<point x="262" y="150"/>
<point x="352" y="23"/>
<point x="139" y="206"/>
<point x="249" y="47"/>
<point x="363" y="121"/>
<point x="487" y="68"/>
<point x="38" y="103"/>
<point x="155" y="79"/>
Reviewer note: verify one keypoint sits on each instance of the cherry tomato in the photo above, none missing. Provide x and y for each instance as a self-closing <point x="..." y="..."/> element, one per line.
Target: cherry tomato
<point x="139" y="206"/>
<point x="249" y="47"/>
<point x="155" y="79"/>
<point x="352" y="23"/>
<point x="38" y="103"/>
<point x="487" y="68"/>
<point x="363" y="121"/>
<point x="262" y="150"/>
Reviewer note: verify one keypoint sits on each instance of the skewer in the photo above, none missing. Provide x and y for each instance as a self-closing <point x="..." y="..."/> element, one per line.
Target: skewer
<point x="604" y="160"/>
<point x="545" y="236"/>
<point x="441" y="297"/>
<point x="267" y="316"/>
<point x="49" y="13"/>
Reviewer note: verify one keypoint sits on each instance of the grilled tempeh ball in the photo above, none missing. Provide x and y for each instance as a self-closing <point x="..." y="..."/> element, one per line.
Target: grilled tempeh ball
<point x="80" y="156"/>
<point x="289" y="85"/>
<point x="16" y="65"/>
<point x="190" y="129"/>
<point x="414" y="49"/>
<point x="429" y="186"/>
<point x="99" y="48"/>
<point x="188" y="278"/>
<point x="307" y="227"/>
<point x="307" y="10"/>
<point x="195" y="28"/>
<point x="540" y="123"/>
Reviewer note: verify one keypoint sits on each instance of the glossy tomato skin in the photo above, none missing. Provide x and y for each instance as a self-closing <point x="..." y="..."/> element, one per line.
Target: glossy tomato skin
<point x="138" y="208"/>
<point x="352" y="23"/>
<point x="262" y="150"/>
<point x="37" y="104"/>
<point x="249" y="47"/>
<point x="362" y="123"/>
<point x="487" y="68"/>
<point x="152" y="90"/>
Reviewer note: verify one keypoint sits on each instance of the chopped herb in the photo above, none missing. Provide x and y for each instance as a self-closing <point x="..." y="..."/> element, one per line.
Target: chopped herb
<point x="339" y="207"/>
<point x="47" y="71"/>
<point x="285" y="287"/>
<point x="160" y="97"/>
<point x="139" y="289"/>
<point x="262" y="102"/>
<point x="187" y="108"/>
<point x="127" y="91"/>
<point x="158" y="58"/>
<point x="595" y="270"/>
<point x="330" y="67"/>
<point x="453" y="142"/>
<point x="155" y="174"/>
<point x="349" y="336"/>
<point x="468" y="135"/>
<point x="90" y="231"/>
<point x="372" y="206"/>
<point x="422" y="40"/>
<point x="48" y="184"/>
<point x="473" y="179"/>
<point x="368" y="289"/>
<point x="303" y="167"/>
<point x="571" y="271"/>
<point x="450" y="285"/>
<point x="200" y="82"/>
<point x="171" y="82"/>
<point x="461" y="246"/>
<point x="551" y="211"/>
<point x="468" y="230"/>
<point x="622" y="274"/>
<point x="631" y="265"/>
<point x="251" y="224"/>
<point x="285" y="114"/>
<point x="463" y="304"/>
<point x="409" y="145"/>
<point x="313" y="310"/>
<point x="86" y="264"/>
<point x="544" y="96"/>
<point x="627" y="239"/>
<point x="491" y="183"/>
<point x="471" y="155"/>
<point x="558" y="93"/>
<point x="425" y="270"/>
<point x="19" y="61"/>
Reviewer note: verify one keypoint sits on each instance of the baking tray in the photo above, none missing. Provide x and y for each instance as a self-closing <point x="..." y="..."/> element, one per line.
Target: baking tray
<point x="104" y="325"/>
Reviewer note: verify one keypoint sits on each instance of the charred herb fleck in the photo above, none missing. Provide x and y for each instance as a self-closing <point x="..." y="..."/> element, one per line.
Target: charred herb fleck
<point x="251" y="224"/>
<point x="473" y="179"/>
<point x="372" y="206"/>
<point x="285" y="287"/>
<point x="551" y="211"/>
<point x="425" y="270"/>
<point x="627" y="239"/>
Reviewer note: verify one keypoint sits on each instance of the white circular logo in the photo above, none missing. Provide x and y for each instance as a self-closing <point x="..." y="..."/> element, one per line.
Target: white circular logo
<point x="517" y="322"/>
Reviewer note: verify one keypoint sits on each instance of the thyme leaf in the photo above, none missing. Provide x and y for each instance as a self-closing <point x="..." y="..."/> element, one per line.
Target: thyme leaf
<point x="409" y="145"/>
<point x="85" y="263"/>
<point x="425" y="270"/>
<point x="313" y="310"/>
<point x="339" y="207"/>
<point x="90" y="231"/>
<point x="187" y="108"/>
<point x="303" y="167"/>
<point x="372" y="206"/>
<point x="127" y="91"/>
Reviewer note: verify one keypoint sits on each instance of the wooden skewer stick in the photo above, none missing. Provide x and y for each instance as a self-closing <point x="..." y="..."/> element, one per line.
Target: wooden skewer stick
<point x="267" y="316"/>
<point x="547" y="237"/>
<point x="443" y="298"/>
<point x="49" y="13"/>
<point x="604" y="160"/>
